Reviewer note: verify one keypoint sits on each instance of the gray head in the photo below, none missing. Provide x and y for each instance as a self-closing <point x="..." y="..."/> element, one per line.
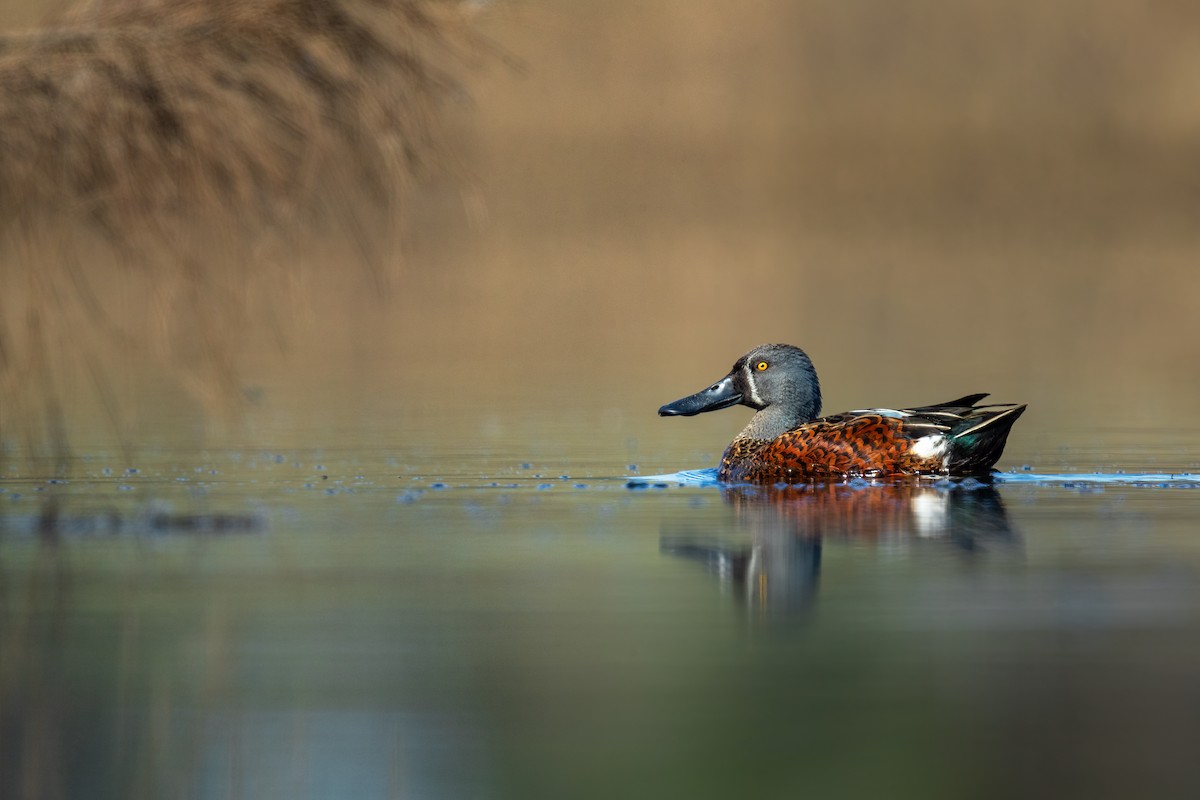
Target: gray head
<point x="775" y="378"/>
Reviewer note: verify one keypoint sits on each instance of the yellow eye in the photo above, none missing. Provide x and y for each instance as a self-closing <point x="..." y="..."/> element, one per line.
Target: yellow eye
<point x="760" y="366"/>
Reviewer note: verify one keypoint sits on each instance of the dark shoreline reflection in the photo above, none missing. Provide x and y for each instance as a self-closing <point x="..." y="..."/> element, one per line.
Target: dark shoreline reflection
<point x="776" y="574"/>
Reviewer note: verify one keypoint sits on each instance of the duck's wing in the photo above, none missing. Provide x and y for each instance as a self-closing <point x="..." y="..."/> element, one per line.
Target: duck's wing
<point x="965" y="437"/>
<point x="970" y="438"/>
<point x="947" y="439"/>
<point x="962" y="417"/>
<point x="950" y="416"/>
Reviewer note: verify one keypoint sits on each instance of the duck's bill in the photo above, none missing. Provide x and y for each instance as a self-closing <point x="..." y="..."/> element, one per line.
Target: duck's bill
<point x="720" y="395"/>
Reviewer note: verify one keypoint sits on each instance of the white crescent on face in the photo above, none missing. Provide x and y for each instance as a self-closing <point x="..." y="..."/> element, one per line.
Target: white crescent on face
<point x="753" y="384"/>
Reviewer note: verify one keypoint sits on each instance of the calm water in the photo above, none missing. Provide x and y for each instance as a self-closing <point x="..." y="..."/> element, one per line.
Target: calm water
<point x="389" y="623"/>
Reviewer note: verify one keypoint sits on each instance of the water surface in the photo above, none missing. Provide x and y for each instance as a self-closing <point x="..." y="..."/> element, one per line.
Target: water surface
<point x="376" y="623"/>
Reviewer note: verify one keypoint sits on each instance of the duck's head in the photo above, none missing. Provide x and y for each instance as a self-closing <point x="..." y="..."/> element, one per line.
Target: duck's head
<point x="775" y="377"/>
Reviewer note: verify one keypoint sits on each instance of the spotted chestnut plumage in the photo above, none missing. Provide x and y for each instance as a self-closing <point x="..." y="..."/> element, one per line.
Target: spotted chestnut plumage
<point x="864" y="445"/>
<point x="786" y="442"/>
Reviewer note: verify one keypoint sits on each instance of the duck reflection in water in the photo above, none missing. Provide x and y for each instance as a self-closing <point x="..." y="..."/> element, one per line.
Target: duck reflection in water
<point x="776" y="574"/>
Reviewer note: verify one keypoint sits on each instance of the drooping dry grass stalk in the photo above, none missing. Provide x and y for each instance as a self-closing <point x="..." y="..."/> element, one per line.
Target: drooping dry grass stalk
<point x="137" y="111"/>
<point x="160" y="155"/>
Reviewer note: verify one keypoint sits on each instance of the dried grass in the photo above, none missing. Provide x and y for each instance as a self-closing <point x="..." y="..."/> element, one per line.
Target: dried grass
<point x="233" y="110"/>
<point x="164" y="155"/>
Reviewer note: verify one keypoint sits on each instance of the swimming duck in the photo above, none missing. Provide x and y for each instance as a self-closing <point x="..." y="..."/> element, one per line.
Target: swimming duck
<point x="786" y="442"/>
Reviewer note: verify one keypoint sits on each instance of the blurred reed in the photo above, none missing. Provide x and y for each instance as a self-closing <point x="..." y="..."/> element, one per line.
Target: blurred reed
<point x="165" y="160"/>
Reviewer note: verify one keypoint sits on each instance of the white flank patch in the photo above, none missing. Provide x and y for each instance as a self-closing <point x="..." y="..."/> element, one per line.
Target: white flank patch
<point x="932" y="446"/>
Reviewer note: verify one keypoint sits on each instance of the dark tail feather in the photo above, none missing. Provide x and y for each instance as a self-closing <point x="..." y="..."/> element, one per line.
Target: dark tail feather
<point x="978" y="441"/>
<point x="962" y="402"/>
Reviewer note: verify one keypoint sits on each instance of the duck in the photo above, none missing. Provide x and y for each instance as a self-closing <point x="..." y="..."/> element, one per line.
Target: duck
<point x="786" y="441"/>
